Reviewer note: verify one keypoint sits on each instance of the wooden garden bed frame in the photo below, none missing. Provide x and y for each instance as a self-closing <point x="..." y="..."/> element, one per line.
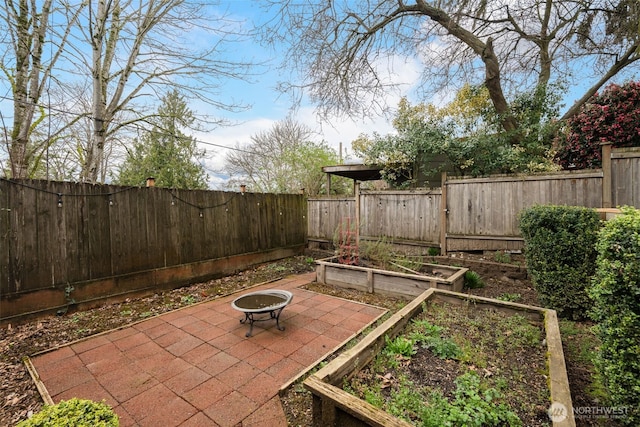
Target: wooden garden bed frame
<point x="334" y="407"/>
<point x="387" y="282"/>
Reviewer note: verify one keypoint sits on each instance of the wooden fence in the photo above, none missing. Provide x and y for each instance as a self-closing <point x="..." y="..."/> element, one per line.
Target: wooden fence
<point x="625" y="177"/>
<point x="482" y="214"/>
<point x="477" y="213"/>
<point x="399" y="215"/>
<point x="102" y="240"/>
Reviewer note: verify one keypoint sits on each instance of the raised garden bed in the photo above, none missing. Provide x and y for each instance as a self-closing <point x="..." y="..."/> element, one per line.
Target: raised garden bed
<point x="332" y="406"/>
<point x="386" y="282"/>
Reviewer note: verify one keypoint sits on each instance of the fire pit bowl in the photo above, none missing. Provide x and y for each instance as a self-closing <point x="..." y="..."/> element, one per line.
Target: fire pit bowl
<point x="270" y="301"/>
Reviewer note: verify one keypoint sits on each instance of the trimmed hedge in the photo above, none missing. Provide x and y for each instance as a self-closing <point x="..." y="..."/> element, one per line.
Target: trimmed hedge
<point x="560" y="251"/>
<point x="616" y="293"/>
<point x="74" y="412"/>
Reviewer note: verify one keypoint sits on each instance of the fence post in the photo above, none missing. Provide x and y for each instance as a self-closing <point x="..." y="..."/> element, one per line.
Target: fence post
<point x="443" y="215"/>
<point x="356" y="194"/>
<point x="328" y="184"/>
<point x="606" y="174"/>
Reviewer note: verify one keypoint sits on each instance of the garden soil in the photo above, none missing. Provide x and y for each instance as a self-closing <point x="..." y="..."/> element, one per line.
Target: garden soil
<point x="19" y="397"/>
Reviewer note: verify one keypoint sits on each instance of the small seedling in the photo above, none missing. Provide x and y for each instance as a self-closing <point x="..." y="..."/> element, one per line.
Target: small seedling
<point x="188" y="299"/>
<point x="502" y="257"/>
<point x="434" y="251"/>
<point x="510" y="297"/>
<point x="400" y="346"/>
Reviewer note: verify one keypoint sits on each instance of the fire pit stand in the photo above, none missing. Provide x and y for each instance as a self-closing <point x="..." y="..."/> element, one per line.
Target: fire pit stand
<point x="270" y="301"/>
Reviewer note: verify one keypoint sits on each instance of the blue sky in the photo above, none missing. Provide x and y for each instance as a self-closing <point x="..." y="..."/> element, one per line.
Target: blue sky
<point x="269" y="106"/>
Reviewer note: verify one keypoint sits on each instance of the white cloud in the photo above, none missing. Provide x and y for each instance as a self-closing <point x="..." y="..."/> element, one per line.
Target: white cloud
<point x="397" y="69"/>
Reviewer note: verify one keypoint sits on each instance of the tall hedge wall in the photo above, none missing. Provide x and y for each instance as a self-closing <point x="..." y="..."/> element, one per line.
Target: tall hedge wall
<point x="616" y="296"/>
<point x="560" y="251"/>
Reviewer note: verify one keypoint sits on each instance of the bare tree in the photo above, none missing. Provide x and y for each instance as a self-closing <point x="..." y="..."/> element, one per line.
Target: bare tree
<point x="73" y="136"/>
<point x="509" y="46"/>
<point x="142" y="47"/>
<point x="29" y="56"/>
<point x="284" y="159"/>
<point x="128" y="52"/>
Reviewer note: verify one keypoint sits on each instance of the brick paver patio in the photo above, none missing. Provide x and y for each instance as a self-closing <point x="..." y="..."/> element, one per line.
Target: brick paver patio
<point x="195" y="367"/>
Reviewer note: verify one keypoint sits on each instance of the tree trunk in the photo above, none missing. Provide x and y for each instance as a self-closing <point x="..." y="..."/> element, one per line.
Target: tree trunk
<point x="98" y="107"/>
<point x="31" y="29"/>
<point x="487" y="55"/>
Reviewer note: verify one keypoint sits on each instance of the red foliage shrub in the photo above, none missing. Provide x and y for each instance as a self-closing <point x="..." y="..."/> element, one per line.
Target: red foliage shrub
<point x="612" y="116"/>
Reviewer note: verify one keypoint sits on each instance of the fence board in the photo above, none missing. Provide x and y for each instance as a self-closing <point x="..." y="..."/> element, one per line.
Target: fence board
<point x="44" y="246"/>
<point x="48" y="236"/>
<point x="625" y="177"/>
<point x="490" y="206"/>
<point x="5" y="234"/>
<point x="482" y="212"/>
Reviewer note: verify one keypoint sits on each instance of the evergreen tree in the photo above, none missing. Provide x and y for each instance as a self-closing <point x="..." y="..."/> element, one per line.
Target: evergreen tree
<point x="165" y="152"/>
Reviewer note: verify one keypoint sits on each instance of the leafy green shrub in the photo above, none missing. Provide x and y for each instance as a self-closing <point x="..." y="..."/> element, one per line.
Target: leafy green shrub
<point x="429" y="336"/>
<point x="616" y="295"/>
<point x="74" y="412"/>
<point x="560" y="253"/>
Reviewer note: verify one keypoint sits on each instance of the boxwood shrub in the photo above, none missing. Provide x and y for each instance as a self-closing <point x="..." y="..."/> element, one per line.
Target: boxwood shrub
<point x="74" y="412"/>
<point x="560" y="251"/>
<point x="616" y="295"/>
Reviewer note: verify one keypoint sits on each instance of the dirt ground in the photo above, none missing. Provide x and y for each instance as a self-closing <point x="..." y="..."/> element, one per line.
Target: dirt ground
<point x="20" y="398"/>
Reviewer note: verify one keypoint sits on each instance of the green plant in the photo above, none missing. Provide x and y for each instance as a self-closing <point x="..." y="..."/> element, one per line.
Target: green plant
<point x="503" y="257"/>
<point x="616" y="295"/>
<point x="426" y="328"/>
<point x="400" y="346"/>
<point x="473" y="280"/>
<point x="509" y="297"/>
<point x="406" y="402"/>
<point x="474" y="404"/>
<point x="374" y="397"/>
<point x="444" y="348"/>
<point x="560" y="253"/>
<point x="74" y="412"/>
<point x="70" y="300"/>
<point x="408" y="263"/>
<point x="378" y="251"/>
<point x="433" y="251"/>
<point x="427" y="334"/>
<point x="188" y="299"/>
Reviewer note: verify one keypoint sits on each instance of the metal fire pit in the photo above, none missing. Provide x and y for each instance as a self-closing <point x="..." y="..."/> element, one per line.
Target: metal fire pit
<point x="270" y="301"/>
